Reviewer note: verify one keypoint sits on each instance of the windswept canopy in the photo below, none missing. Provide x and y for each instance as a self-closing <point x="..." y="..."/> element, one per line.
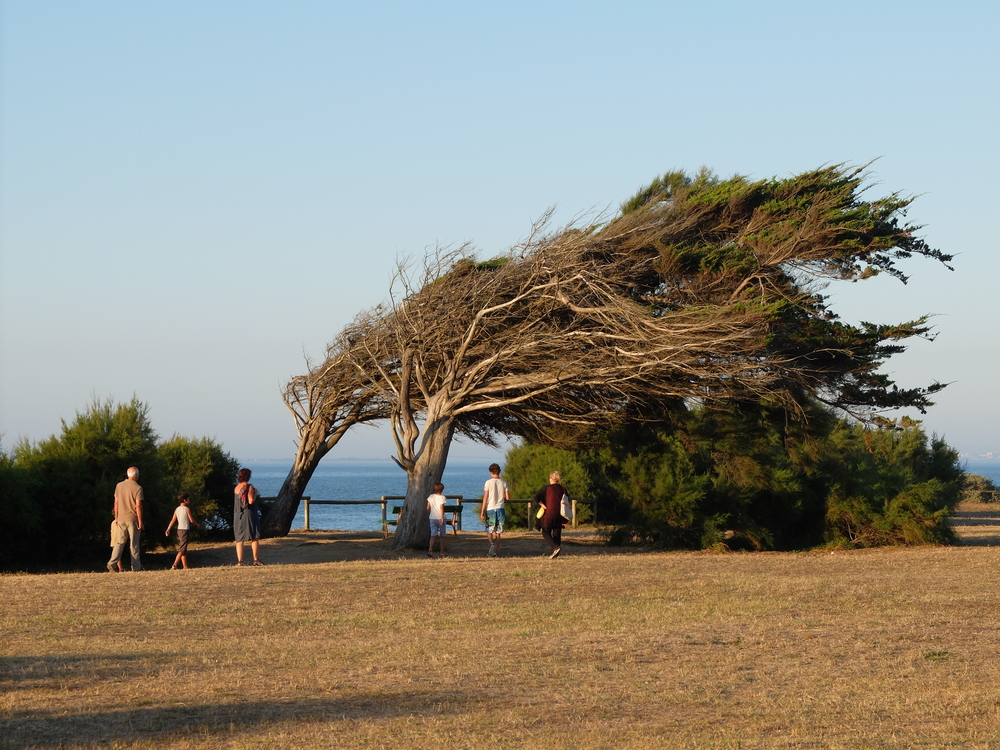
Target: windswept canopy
<point x="700" y="288"/>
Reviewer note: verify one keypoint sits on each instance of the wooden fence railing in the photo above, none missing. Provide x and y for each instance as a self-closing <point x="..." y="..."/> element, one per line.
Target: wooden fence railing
<point x="386" y="499"/>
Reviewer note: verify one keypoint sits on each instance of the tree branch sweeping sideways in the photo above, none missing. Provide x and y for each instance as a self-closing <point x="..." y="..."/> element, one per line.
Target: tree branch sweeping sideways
<point x="699" y="288"/>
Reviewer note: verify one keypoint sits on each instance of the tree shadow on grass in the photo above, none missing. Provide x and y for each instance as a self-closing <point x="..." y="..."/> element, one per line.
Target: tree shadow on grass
<point x="31" y="672"/>
<point x="165" y="724"/>
<point x="325" y="546"/>
<point x="977" y="524"/>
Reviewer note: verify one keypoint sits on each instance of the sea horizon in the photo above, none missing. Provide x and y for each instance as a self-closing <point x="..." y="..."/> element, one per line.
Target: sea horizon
<point x="367" y="479"/>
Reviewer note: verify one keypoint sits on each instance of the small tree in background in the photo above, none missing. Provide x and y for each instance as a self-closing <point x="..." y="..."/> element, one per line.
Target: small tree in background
<point x="978" y="487"/>
<point x="889" y="486"/>
<point x="528" y="468"/>
<point x="201" y="468"/>
<point x="72" y="478"/>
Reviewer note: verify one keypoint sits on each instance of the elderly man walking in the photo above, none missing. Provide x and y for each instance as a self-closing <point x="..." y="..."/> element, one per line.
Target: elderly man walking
<point x="128" y="517"/>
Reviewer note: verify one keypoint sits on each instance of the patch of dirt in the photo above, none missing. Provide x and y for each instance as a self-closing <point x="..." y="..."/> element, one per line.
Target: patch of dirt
<point x="312" y="547"/>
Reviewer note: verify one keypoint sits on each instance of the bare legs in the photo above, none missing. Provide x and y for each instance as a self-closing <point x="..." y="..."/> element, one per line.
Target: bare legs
<point x="255" y="548"/>
<point x="430" y="548"/>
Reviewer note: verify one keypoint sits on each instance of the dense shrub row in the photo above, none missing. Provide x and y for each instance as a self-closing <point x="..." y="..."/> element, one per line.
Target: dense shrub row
<point x="736" y="478"/>
<point x="56" y="496"/>
<point x="749" y="479"/>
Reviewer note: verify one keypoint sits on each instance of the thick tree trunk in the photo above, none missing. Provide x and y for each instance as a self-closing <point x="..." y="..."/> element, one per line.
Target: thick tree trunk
<point x="279" y="518"/>
<point x="413" y="530"/>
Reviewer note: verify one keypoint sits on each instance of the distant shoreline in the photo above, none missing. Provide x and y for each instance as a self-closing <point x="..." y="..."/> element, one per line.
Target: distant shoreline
<point x="355" y="459"/>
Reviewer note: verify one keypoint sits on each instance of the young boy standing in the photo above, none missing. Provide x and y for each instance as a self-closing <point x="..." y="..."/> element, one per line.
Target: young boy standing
<point x="435" y="510"/>
<point x="183" y="518"/>
<point x="495" y="493"/>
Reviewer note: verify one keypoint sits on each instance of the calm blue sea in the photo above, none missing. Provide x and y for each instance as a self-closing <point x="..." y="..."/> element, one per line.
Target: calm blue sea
<point x="364" y="480"/>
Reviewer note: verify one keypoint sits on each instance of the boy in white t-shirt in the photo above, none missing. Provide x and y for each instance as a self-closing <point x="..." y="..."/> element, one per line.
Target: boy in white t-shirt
<point x="495" y="493"/>
<point x="435" y="510"/>
<point x="183" y="518"/>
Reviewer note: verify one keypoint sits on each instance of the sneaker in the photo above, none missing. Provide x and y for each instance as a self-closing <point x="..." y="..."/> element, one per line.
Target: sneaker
<point x="555" y="554"/>
<point x="112" y="568"/>
<point x="493" y="550"/>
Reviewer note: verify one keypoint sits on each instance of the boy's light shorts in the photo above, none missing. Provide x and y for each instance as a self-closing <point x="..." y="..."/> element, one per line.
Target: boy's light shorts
<point x="438" y="528"/>
<point x="494" y="520"/>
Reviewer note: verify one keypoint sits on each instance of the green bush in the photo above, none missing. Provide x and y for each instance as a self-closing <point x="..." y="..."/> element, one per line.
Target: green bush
<point x="57" y="496"/>
<point x="527" y="470"/>
<point x="23" y="518"/>
<point x="979" y="488"/>
<point x="889" y="486"/>
<point x="747" y="478"/>
<point x="71" y="478"/>
<point x="208" y="474"/>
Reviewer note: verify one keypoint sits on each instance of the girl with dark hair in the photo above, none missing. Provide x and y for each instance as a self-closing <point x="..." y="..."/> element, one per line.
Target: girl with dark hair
<point x="184" y="520"/>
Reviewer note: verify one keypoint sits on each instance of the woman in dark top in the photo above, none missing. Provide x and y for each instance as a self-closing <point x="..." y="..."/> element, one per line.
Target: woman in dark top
<point x="246" y="517"/>
<point x="550" y="497"/>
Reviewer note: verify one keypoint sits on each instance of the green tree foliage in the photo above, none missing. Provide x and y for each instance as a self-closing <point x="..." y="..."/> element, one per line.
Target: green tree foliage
<point x="700" y="289"/>
<point x="57" y="496"/>
<point x="528" y="469"/>
<point x="889" y="486"/>
<point x="207" y="473"/>
<point x="22" y="518"/>
<point x="745" y="478"/>
<point x="736" y="240"/>
<point x="71" y="479"/>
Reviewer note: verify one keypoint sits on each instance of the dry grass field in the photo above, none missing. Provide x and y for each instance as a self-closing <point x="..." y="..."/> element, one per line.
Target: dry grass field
<point x="338" y="643"/>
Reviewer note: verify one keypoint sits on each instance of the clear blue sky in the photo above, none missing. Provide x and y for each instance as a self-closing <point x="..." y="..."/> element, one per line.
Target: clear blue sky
<point x="196" y="195"/>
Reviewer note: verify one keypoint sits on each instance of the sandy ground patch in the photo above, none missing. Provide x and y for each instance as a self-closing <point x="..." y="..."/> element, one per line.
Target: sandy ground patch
<point x="315" y="547"/>
<point x="977" y="524"/>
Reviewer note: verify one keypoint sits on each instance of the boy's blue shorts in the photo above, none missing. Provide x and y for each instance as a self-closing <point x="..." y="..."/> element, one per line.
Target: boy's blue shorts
<point x="438" y="528"/>
<point x="495" y="520"/>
